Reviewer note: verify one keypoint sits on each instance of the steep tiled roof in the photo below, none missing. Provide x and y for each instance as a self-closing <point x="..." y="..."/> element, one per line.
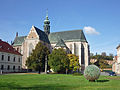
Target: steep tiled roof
<point x="5" y="47"/>
<point x="60" y="43"/>
<point x="42" y="35"/>
<point x="19" y="40"/>
<point x="74" y="35"/>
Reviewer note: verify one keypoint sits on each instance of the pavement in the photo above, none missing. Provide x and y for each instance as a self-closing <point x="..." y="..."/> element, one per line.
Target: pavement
<point x="104" y="73"/>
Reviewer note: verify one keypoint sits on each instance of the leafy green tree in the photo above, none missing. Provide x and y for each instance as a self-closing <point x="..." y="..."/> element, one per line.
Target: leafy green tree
<point x="102" y="57"/>
<point x="36" y="60"/>
<point x="103" y="64"/>
<point x="58" y="60"/>
<point x="74" y="62"/>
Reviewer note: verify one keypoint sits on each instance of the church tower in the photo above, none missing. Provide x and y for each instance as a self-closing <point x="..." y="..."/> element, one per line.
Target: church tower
<point x="46" y="25"/>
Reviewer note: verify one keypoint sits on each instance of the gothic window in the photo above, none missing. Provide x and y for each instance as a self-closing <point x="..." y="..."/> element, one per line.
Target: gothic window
<point x="82" y="54"/>
<point x="30" y="48"/>
<point x="77" y="50"/>
<point x="71" y="47"/>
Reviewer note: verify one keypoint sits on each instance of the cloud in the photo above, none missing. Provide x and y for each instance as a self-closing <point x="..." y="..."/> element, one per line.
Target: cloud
<point x="90" y="30"/>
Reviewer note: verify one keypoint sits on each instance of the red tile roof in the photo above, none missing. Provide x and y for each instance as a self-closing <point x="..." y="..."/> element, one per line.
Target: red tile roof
<point x="5" y="47"/>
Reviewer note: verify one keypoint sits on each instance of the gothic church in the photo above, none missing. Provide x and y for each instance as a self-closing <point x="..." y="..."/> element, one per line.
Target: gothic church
<point x="73" y="41"/>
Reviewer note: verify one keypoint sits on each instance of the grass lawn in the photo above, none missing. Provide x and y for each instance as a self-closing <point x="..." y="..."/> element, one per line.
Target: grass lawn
<point x="56" y="82"/>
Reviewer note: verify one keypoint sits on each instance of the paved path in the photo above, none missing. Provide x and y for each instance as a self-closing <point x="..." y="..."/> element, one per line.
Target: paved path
<point x="104" y="73"/>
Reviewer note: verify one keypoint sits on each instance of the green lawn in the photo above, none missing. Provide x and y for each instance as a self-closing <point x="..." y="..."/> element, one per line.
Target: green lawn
<point x="57" y="82"/>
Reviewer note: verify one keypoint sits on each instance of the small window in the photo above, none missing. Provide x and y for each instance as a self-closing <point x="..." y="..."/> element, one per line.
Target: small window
<point x="8" y="68"/>
<point x="8" y="58"/>
<point x="18" y="59"/>
<point x="2" y="57"/>
<point x="18" y="67"/>
<point x="13" y="67"/>
<point x="2" y="67"/>
<point x="14" y="59"/>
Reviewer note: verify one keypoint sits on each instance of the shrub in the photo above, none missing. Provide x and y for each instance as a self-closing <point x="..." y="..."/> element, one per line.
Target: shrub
<point x="92" y="72"/>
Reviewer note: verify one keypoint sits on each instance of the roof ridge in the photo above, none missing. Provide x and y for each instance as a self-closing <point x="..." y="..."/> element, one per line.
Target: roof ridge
<point x="22" y="36"/>
<point x="68" y="31"/>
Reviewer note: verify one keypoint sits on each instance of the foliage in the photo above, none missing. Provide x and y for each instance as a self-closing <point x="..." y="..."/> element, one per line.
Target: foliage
<point x="102" y="57"/>
<point x="36" y="60"/>
<point x="74" y="62"/>
<point x="92" y="72"/>
<point x="101" y="63"/>
<point x="58" y="60"/>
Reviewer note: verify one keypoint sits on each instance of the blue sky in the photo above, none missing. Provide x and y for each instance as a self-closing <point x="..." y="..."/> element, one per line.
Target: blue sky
<point x="100" y="17"/>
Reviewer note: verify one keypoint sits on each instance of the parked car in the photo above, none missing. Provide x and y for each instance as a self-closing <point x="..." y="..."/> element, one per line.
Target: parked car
<point x="112" y="74"/>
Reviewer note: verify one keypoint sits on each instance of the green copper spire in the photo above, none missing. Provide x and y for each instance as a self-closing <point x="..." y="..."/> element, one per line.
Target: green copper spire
<point x="46" y="24"/>
<point x="46" y="21"/>
<point x="47" y="14"/>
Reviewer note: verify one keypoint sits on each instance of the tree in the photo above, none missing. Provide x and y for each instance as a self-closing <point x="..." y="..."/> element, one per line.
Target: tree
<point x="58" y="60"/>
<point x="103" y="64"/>
<point x="36" y="60"/>
<point x="74" y="62"/>
<point x="103" y="54"/>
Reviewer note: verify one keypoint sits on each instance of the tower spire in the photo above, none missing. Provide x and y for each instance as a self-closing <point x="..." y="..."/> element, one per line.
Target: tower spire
<point x="46" y="24"/>
<point x="47" y="12"/>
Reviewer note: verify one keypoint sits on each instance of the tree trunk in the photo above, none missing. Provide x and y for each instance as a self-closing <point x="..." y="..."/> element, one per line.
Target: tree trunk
<point x="39" y="70"/>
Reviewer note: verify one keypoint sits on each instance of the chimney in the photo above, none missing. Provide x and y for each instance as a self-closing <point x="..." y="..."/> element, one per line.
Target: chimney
<point x="16" y="34"/>
<point x="11" y="42"/>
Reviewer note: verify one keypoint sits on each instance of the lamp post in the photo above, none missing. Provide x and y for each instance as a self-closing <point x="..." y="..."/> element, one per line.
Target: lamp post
<point x="46" y="64"/>
<point x="39" y="66"/>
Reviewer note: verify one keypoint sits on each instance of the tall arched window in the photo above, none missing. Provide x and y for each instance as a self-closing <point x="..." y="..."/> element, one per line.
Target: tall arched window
<point x="71" y="47"/>
<point x="82" y="54"/>
<point x="30" y="48"/>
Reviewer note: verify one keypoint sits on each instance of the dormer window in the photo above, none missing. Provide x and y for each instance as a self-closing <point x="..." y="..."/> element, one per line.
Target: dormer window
<point x="17" y="49"/>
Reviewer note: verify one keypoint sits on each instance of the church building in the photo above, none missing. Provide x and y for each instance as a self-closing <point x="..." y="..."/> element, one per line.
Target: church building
<point x="72" y="41"/>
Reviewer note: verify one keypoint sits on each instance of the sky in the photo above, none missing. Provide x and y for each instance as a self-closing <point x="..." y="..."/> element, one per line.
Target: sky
<point x="99" y="19"/>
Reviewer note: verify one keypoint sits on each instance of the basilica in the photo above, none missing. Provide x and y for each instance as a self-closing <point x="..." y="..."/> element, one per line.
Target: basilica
<point x="73" y="41"/>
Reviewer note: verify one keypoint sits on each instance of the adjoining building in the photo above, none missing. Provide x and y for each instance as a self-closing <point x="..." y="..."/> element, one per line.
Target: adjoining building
<point x="73" y="41"/>
<point x="116" y="60"/>
<point x="10" y="59"/>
